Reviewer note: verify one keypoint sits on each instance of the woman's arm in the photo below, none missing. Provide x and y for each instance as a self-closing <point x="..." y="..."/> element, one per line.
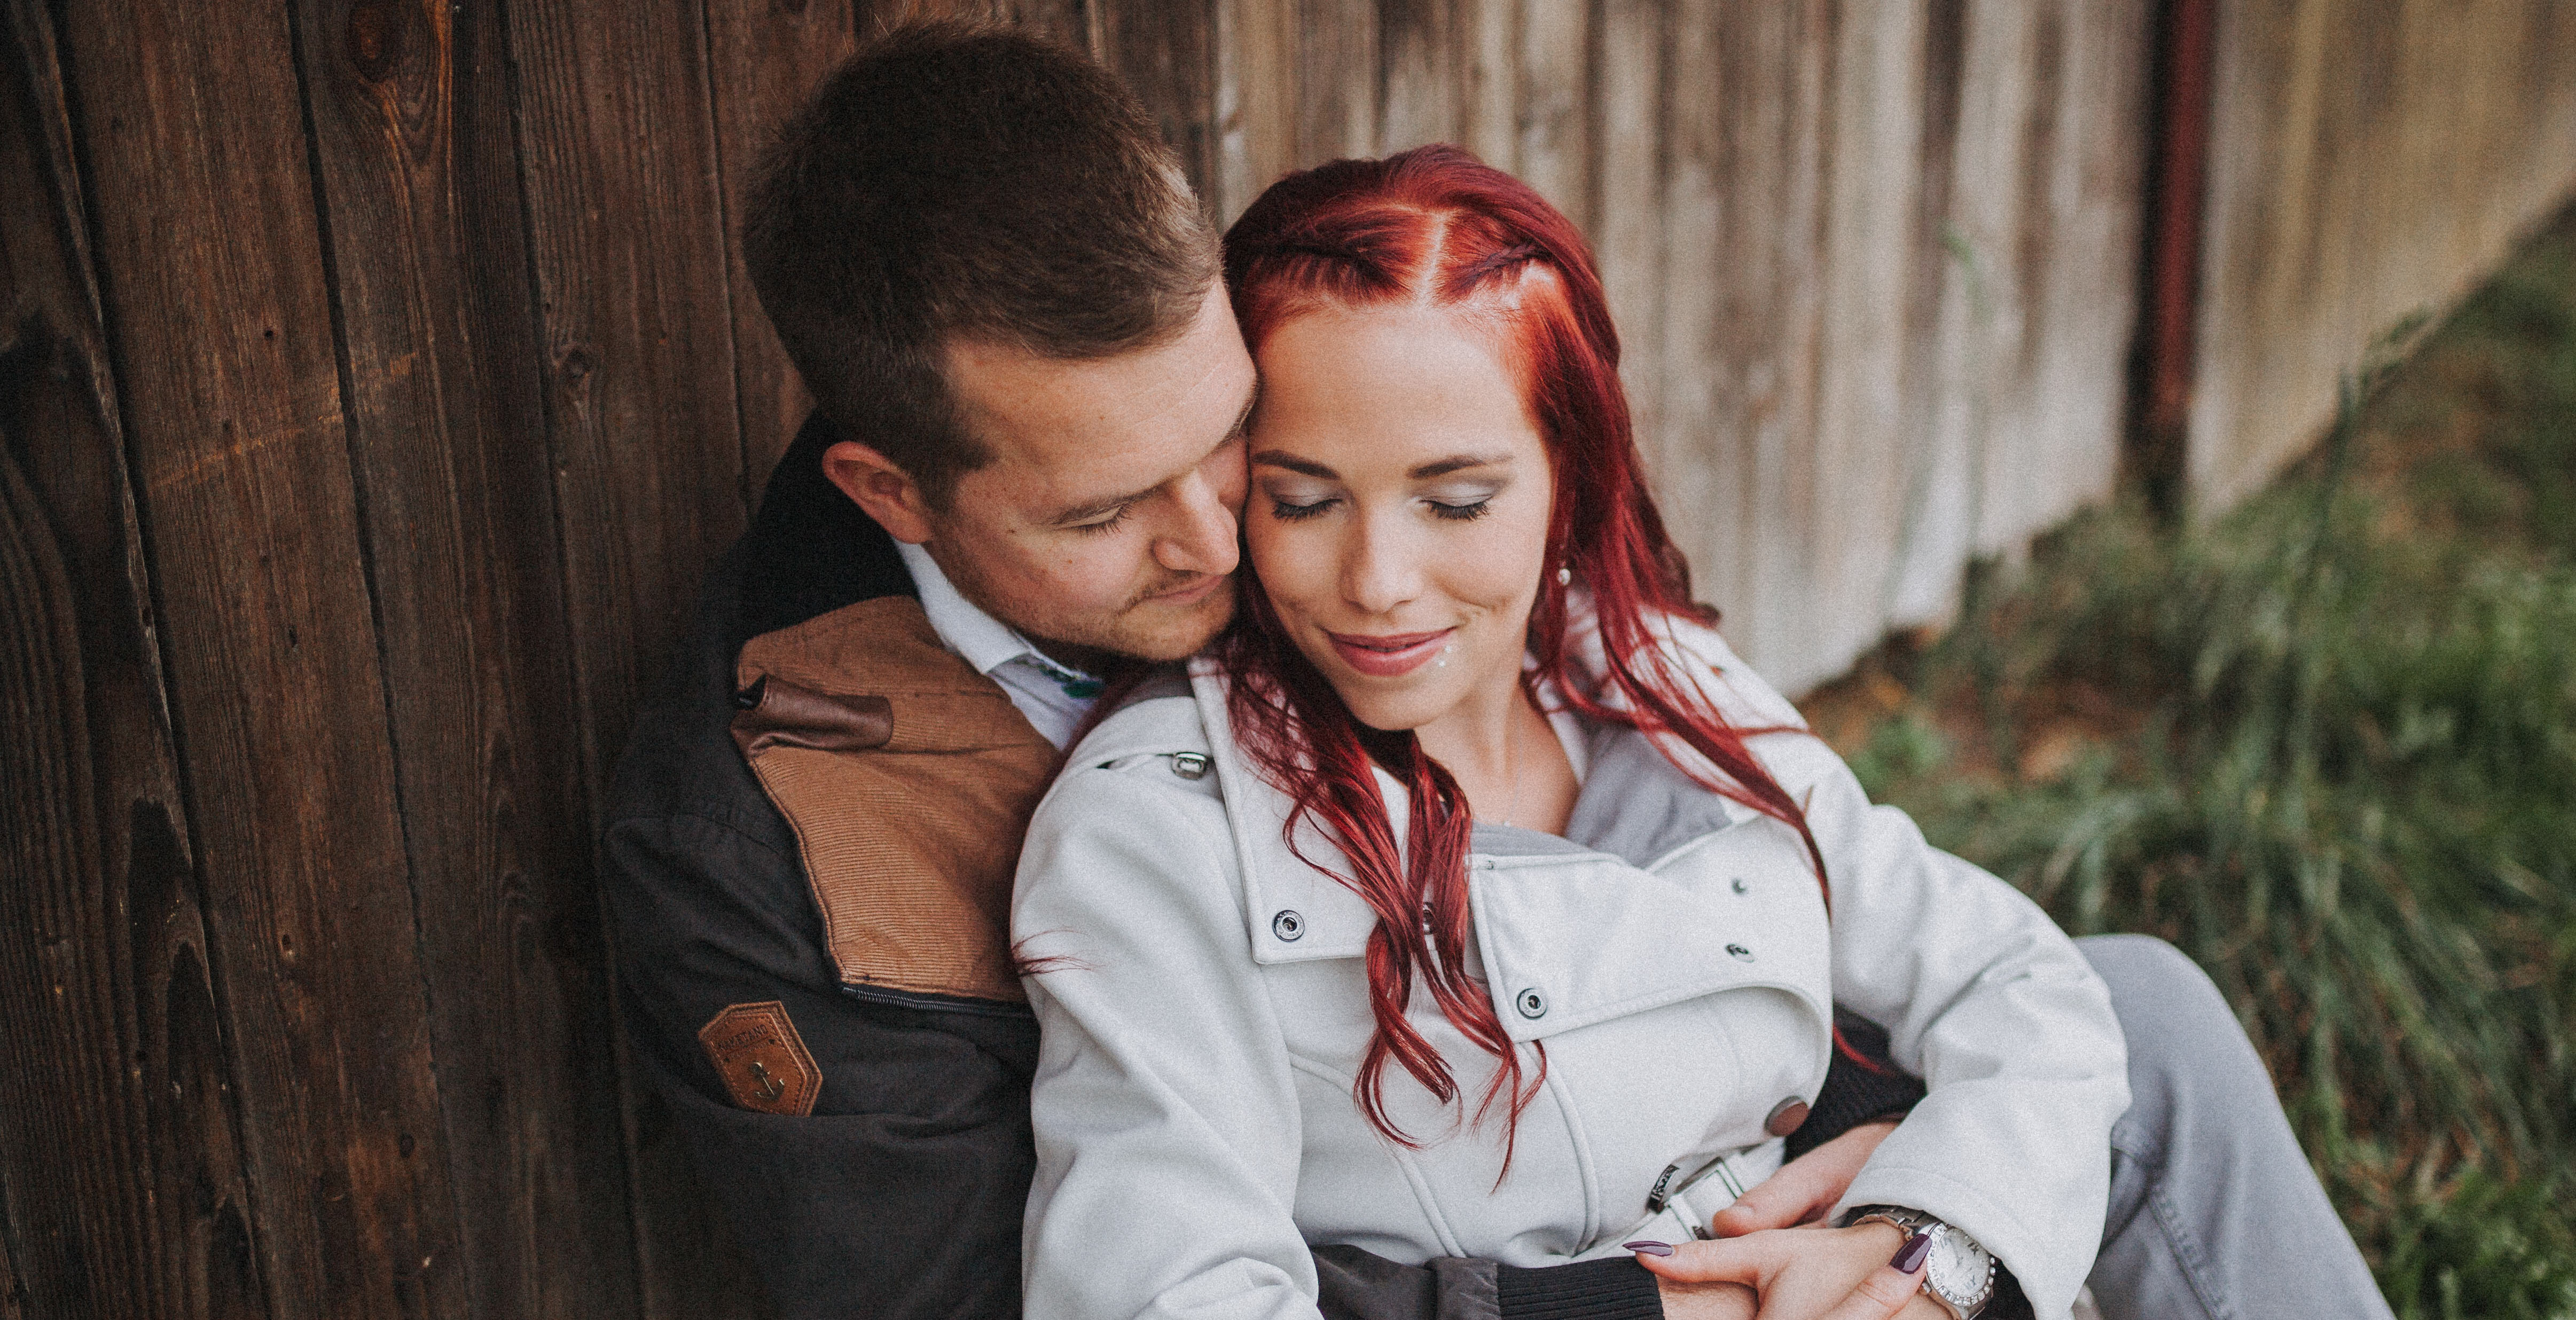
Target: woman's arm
<point x="1994" y="1008"/>
<point x="1165" y="1113"/>
<point x="1985" y="999"/>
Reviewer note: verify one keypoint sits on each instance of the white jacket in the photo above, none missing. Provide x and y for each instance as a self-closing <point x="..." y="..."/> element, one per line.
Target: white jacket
<point x="1205" y="1009"/>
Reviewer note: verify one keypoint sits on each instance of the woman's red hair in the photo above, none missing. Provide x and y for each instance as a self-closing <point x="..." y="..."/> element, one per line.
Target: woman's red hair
<point x="1436" y="227"/>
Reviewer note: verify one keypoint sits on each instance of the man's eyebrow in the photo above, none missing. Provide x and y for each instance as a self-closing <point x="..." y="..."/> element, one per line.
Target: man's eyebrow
<point x="1441" y="467"/>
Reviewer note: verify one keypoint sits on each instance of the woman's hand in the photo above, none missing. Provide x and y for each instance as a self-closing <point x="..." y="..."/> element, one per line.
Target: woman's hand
<point x="1865" y="1272"/>
<point x="1804" y="1188"/>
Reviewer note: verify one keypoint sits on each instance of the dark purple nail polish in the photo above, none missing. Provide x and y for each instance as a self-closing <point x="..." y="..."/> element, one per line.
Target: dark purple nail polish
<point x="1909" y="1258"/>
<point x="1648" y="1246"/>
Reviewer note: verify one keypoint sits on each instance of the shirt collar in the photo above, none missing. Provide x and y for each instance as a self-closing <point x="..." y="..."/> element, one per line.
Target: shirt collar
<point x="983" y="641"/>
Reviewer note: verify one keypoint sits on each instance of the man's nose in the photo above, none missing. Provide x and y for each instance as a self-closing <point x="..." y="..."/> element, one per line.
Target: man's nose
<point x="1201" y="537"/>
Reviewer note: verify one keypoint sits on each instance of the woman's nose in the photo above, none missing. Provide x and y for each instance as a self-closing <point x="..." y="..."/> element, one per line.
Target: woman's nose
<point x="1379" y="571"/>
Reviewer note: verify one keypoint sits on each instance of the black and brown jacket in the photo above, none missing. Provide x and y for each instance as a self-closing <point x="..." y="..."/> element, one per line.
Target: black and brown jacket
<point x="808" y="859"/>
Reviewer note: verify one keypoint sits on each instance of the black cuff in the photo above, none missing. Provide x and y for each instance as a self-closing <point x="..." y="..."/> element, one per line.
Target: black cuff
<point x="1614" y="1289"/>
<point x="1853" y="1094"/>
<point x="2009" y="1302"/>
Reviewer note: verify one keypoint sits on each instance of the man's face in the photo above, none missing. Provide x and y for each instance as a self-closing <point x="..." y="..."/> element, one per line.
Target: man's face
<point x="1105" y="523"/>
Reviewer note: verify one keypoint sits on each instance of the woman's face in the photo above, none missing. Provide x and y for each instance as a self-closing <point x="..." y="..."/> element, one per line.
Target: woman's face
<point x="1399" y="509"/>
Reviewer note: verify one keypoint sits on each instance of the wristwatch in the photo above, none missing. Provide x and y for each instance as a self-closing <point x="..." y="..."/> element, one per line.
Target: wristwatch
<point x="1959" y="1274"/>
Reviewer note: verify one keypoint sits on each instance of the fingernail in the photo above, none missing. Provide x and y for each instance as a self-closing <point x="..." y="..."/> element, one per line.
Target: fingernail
<point x="1648" y="1247"/>
<point x="1909" y="1258"/>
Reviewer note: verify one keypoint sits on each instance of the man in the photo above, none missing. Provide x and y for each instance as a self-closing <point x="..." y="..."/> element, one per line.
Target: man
<point x="1024" y="467"/>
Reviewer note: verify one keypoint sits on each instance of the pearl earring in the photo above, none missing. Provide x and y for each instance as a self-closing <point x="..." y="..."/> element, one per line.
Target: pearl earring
<point x="1564" y="575"/>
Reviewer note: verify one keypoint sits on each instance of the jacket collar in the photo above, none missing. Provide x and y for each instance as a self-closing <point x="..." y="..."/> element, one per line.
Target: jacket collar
<point x="1596" y="925"/>
<point x="810" y="551"/>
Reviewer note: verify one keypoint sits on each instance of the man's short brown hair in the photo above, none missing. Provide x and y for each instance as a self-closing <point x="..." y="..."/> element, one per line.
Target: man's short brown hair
<point x="953" y="182"/>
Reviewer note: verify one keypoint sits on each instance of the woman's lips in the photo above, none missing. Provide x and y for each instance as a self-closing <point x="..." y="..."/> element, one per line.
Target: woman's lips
<point x="1392" y="655"/>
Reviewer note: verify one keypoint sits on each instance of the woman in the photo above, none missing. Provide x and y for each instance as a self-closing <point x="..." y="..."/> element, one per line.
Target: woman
<point x="1472" y="899"/>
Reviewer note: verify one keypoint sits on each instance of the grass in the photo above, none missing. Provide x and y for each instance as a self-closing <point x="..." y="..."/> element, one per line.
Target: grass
<point x="2326" y="744"/>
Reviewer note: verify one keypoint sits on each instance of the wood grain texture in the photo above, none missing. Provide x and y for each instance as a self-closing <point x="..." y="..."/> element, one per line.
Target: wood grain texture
<point x="130" y="1202"/>
<point x="1627" y="109"/>
<point x="1165" y="51"/>
<point x="617" y="161"/>
<point x="442" y="396"/>
<point x="1553" y="120"/>
<point x="221" y="330"/>
<point x="2370" y="161"/>
<point x="621" y="186"/>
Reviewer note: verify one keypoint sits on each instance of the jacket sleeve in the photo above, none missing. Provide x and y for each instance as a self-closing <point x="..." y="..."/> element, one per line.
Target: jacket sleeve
<point x="1165" y="1109"/>
<point x="1992" y="1006"/>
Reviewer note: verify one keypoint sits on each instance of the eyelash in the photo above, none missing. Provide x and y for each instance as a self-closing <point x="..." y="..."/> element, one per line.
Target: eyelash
<point x="1108" y="524"/>
<point x="1287" y="512"/>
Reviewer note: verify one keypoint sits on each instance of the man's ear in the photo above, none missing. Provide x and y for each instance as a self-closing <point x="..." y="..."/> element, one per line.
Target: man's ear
<point x="881" y="490"/>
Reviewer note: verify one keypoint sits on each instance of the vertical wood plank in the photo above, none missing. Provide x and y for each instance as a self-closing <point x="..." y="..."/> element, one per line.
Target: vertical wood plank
<point x="1418" y="49"/>
<point x="1337" y="80"/>
<point x="1488" y="36"/>
<point x="624" y="208"/>
<point x="1839" y="498"/>
<point x="1690" y="454"/>
<point x="418" y="172"/>
<point x="1553" y="151"/>
<point x="1776" y="67"/>
<point x="763" y="61"/>
<point x="141" y="1189"/>
<point x="1257" y="98"/>
<point x="618" y="163"/>
<point x="1165" y="51"/>
<point x="1627" y="224"/>
<point x="2370" y="161"/>
<point x="222" y="331"/>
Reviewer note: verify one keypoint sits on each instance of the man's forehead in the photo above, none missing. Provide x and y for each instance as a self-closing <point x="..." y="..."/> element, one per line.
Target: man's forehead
<point x="1074" y="430"/>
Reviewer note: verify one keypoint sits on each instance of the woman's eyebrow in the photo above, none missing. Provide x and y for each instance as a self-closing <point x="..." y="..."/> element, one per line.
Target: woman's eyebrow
<point x="1305" y="466"/>
<point x="1441" y="467"/>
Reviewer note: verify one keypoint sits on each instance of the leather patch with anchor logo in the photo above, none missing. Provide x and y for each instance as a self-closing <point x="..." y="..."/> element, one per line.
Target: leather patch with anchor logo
<point x="763" y="1061"/>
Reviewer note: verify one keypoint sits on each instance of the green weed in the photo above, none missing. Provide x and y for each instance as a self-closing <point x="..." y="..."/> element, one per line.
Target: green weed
<point x="2327" y="745"/>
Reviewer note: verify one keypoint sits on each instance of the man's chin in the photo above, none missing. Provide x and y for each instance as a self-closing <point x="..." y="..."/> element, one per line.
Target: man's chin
<point x="1180" y="637"/>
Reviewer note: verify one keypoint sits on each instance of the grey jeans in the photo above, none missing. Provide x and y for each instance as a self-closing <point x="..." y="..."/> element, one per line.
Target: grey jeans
<point x="2214" y="1211"/>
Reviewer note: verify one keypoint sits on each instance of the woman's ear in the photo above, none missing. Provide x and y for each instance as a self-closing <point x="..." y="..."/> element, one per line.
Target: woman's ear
<point x="881" y="490"/>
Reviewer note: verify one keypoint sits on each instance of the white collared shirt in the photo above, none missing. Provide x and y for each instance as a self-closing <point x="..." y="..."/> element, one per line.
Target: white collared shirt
<point x="1053" y="696"/>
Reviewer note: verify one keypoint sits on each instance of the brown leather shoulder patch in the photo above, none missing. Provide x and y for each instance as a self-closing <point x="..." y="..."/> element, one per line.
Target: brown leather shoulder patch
<point x="763" y="1061"/>
<point x="908" y="779"/>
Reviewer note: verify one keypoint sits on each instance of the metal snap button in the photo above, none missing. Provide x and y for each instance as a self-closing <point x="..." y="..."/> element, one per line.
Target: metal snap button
<point x="1191" y="765"/>
<point x="1785" y="1117"/>
<point x="1287" y="925"/>
<point x="1531" y="1003"/>
<point x="1739" y="953"/>
<point x="1737" y="884"/>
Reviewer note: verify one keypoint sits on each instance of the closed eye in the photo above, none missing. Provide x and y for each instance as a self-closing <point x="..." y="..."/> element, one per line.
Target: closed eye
<point x="1108" y="524"/>
<point x="1461" y="512"/>
<point x="1288" y="512"/>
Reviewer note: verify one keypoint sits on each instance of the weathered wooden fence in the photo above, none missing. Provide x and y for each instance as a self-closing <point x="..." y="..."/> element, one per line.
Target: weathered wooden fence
<point x="2370" y="160"/>
<point x="377" y="378"/>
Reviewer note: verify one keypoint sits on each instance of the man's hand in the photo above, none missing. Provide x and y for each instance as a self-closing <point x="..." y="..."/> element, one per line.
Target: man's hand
<point x="1865" y="1272"/>
<point x="1804" y="1188"/>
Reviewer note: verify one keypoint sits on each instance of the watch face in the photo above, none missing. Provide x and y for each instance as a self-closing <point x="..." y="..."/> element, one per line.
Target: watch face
<point x="1959" y="1269"/>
